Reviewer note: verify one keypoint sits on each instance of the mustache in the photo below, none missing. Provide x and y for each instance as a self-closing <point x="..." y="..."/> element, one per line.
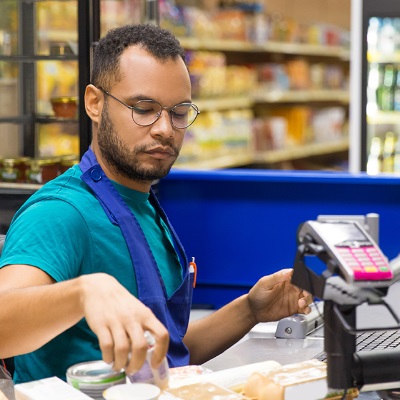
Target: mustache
<point x="164" y="143"/>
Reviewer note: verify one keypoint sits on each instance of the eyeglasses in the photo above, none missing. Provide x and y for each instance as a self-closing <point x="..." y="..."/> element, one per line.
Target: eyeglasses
<point x="147" y="112"/>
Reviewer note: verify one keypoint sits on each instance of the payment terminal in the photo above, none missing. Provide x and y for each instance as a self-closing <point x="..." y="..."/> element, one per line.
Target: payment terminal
<point x="351" y="250"/>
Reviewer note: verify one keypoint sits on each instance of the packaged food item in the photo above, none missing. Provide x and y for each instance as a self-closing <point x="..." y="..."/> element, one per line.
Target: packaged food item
<point x="133" y="391"/>
<point x="147" y="374"/>
<point x="22" y="164"/>
<point x="231" y="378"/>
<point x="42" y="170"/>
<point x="201" y="391"/>
<point x="64" y="107"/>
<point x="67" y="161"/>
<point x="9" y="172"/>
<point x="305" y="380"/>
<point x="48" y="388"/>
<point x="93" y="377"/>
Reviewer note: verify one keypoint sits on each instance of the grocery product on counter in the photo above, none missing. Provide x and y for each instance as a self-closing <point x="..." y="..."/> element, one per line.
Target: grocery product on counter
<point x="93" y="377"/>
<point x="133" y="391"/>
<point x="201" y="391"/>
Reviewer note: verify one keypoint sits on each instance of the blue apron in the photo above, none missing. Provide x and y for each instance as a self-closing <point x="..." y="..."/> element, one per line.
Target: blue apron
<point x="173" y="312"/>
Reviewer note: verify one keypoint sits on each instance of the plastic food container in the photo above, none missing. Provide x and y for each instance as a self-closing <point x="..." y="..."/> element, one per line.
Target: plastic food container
<point x="65" y="106"/>
<point x="133" y="391"/>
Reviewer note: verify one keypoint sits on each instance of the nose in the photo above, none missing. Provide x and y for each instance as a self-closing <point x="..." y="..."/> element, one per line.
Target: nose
<point x="163" y="126"/>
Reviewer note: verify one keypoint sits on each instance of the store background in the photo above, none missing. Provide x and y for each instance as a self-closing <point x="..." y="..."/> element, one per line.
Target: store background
<point x="271" y="78"/>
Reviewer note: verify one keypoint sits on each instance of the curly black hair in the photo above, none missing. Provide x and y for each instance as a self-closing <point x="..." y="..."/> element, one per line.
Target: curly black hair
<point x="159" y="42"/>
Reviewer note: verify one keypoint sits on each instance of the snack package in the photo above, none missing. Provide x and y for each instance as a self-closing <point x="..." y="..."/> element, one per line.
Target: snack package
<point x="305" y="380"/>
<point x="232" y="378"/>
<point x="201" y="391"/>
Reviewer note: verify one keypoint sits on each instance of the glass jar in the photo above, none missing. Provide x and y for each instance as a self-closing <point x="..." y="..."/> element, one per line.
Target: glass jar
<point x="42" y="170"/>
<point x="9" y="172"/>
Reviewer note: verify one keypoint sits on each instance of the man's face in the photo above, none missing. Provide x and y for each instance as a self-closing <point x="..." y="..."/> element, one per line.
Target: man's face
<point x="143" y="153"/>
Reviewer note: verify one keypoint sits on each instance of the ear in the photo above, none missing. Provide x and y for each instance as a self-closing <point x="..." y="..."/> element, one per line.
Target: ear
<point x="93" y="102"/>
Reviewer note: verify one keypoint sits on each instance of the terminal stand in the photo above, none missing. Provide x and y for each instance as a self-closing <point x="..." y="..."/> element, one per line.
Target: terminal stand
<point x="346" y="368"/>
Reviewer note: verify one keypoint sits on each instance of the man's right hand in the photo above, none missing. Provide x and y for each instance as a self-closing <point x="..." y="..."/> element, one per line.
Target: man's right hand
<point x="119" y="320"/>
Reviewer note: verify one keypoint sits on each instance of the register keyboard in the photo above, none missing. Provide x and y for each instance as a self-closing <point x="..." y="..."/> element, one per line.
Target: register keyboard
<point x="373" y="340"/>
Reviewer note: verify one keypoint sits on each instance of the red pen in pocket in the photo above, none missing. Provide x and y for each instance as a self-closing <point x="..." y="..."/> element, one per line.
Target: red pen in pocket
<point x="193" y="270"/>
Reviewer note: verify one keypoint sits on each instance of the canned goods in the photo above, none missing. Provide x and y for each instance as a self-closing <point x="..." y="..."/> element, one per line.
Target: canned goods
<point x="94" y="377"/>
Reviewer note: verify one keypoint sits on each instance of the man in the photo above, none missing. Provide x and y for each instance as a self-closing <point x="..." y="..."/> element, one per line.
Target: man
<point x="90" y="261"/>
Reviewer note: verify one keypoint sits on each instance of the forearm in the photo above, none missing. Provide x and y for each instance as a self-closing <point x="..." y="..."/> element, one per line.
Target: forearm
<point x="31" y="316"/>
<point x="208" y="337"/>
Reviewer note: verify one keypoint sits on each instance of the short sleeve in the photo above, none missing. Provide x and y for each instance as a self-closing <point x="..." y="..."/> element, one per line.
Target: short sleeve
<point x="51" y="235"/>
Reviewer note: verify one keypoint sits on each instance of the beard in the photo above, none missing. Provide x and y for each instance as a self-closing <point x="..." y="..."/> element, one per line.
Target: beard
<point x="125" y="161"/>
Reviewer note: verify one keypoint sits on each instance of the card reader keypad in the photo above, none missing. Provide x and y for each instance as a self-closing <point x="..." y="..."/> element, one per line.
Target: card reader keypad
<point x="366" y="262"/>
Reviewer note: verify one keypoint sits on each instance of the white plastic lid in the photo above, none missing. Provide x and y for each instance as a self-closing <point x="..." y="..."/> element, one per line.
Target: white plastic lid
<point x="132" y="391"/>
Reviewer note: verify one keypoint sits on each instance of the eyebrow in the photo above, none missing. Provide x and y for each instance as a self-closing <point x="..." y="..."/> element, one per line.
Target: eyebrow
<point x="143" y="97"/>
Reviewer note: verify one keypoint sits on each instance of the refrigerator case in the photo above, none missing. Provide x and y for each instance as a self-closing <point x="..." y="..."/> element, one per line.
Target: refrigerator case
<point x="38" y="63"/>
<point x="375" y="87"/>
<point x="45" y="49"/>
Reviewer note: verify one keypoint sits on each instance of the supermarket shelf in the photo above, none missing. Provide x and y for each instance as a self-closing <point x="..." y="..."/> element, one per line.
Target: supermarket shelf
<point x="268" y="157"/>
<point x="308" y="150"/>
<point x="384" y="117"/>
<point x="190" y="43"/>
<point x="221" y="103"/>
<point x="18" y="188"/>
<point x="275" y="96"/>
<point x="302" y="96"/>
<point x="375" y="57"/>
<point x="226" y="161"/>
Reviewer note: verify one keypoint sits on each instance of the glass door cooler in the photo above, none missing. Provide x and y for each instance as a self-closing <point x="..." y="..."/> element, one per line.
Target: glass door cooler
<point x="45" y="50"/>
<point x="375" y="87"/>
<point x="39" y="87"/>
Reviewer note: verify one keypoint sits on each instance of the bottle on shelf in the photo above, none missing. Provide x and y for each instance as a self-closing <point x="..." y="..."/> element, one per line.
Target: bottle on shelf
<point x="396" y="157"/>
<point x="388" y="152"/>
<point x="374" y="27"/>
<point x="374" y="163"/>
<point x="387" y="37"/>
<point x="385" y="92"/>
<point x="396" y="93"/>
<point x="372" y="88"/>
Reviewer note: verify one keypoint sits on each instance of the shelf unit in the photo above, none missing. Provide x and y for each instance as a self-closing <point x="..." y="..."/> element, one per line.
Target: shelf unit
<point x="304" y="49"/>
<point x="268" y="157"/>
<point x="265" y="97"/>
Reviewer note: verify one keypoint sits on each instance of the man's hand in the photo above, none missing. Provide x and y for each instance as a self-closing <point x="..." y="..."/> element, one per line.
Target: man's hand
<point x="273" y="297"/>
<point x="119" y="320"/>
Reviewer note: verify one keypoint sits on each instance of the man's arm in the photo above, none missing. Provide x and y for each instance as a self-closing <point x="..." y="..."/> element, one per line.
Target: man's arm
<point x="35" y="309"/>
<point x="272" y="298"/>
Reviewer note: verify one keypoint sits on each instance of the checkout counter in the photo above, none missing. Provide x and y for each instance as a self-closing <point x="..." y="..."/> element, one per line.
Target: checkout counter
<point x="262" y="345"/>
<point x="241" y="225"/>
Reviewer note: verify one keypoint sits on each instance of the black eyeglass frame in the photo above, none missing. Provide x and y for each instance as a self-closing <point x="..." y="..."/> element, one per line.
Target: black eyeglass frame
<point x="168" y="109"/>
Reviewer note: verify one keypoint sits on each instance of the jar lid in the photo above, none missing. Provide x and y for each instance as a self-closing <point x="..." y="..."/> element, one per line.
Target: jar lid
<point x="93" y="371"/>
<point x="64" y="99"/>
